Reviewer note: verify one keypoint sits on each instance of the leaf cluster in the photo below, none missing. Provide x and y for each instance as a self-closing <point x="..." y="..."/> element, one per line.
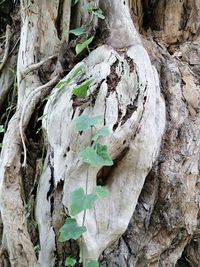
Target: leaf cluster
<point x="94" y="155"/>
<point x="94" y="12"/>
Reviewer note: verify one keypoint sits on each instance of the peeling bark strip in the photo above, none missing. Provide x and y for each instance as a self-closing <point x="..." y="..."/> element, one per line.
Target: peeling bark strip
<point x="152" y="216"/>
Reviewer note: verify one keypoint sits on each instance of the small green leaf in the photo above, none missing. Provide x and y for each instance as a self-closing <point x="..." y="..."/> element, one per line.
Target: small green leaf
<point x="92" y="263"/>
<point x="101" y="192"/>
<point x="104" y="131"/>
<point x="80" y="202"/>
<point x="102" y="151"/>
<point x="2" y="130"/>
<point x="71" y="230"/>
<point x="97" y="156"/>
<point x="83" y="122"/>
<point x="80" y="47"/>
<point x="76" y="72"/>
<point x="37" y="248"/>
<point x="70" y="262"/>
<point x="60" y="84"/>
<point x="77" y="31"/>
<point x="81" y="89"/>
<point x="98" y="13"/>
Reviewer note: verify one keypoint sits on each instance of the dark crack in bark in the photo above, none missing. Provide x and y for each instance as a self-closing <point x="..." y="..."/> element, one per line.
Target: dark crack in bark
<point x="130" y="63"/>
<point x="113" y="79"/>
<point x="58" y="21"/>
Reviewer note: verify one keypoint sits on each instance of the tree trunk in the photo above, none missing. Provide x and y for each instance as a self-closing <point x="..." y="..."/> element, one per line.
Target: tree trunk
<point x="144" y="66"/>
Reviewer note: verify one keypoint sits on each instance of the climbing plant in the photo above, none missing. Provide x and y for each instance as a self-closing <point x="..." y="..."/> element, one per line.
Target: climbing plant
<point x="85" y="29"/>
<point x="94" y="155"/>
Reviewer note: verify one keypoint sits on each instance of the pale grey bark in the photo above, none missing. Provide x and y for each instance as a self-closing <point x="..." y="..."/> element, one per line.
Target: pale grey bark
<point x="154" y="219"/>
<point x="145" y="121"/>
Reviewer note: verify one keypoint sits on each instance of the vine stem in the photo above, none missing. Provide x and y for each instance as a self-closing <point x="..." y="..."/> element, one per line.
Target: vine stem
<point x="86" y="191"/>
<point x="84" y="213"/>
<point x="84" y="216"/>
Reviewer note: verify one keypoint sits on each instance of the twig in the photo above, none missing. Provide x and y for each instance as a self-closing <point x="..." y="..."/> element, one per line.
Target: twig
<point x="84" y="214"/>
<point x="36" y="66"/>
<point x="30" y="103"/>
<point x="7" y="45"/>
<point x="2" y="37"/>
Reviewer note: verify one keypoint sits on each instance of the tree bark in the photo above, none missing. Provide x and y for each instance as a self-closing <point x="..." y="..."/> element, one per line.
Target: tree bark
<point x="146" y="83"/>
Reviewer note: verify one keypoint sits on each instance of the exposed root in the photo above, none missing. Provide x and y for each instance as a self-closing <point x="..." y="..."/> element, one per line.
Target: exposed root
<point x="36" y="66"/>
<point x="31" y="101"/>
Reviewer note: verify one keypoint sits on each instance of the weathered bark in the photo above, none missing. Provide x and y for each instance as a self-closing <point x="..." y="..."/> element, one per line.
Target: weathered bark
<point x="147" y="89"/>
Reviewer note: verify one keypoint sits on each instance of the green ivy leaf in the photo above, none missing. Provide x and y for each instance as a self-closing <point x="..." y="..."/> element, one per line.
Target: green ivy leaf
<point x="104" y="131"/>
<point x="101" y="192"/>
<point x="102" y="151"/>
<point x="80" y="47"/>
<point x="81" y="89"/>
<point x="2" y="130"/>
<point x="76" y="72"/>
<point x="92" y="263"/>
<point x="71" y="230"/>
<point x="98" y="12"/>
<point x="70" y="262"/>
<point x="77" y="31"/>
<point x="97" y="156"/>
<point x="80" y="202"/>
<point x="83" y="122"/>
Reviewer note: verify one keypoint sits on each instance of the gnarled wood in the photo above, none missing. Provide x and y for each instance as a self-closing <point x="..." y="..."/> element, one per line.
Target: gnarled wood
<point x="152" y="110"/>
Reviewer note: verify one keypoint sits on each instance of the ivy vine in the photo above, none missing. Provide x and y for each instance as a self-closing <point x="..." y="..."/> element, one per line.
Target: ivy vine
<point x="94" y="155"/>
